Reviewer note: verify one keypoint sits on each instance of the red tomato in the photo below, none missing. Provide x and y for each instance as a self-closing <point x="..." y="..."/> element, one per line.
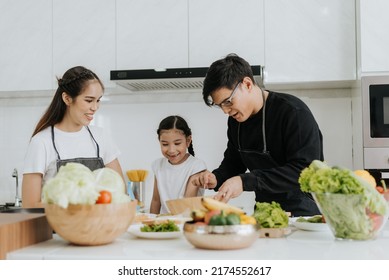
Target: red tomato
<point x="380" y="189"/>
<point x="377" y="220"/>
<point x="209" y="215"/>
<point x="105" y="197"/>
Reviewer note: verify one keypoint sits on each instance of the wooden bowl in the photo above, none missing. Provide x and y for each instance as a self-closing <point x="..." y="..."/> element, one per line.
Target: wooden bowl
<point x="182" y="205"/>
<point x="96" y="224"/>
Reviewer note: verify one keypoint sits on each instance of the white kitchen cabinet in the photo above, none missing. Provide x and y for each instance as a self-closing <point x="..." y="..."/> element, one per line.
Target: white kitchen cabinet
<point x="84" y="34"/>
<point x="26" y="45"/>
<point x="220" y="27"/>
<point x="310" y="41"/>
<point x="374" y="32"/>
<point x="151" y="34"/>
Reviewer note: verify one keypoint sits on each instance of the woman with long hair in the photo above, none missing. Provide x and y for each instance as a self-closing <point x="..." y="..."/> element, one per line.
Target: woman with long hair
<point x="63" y="134"/>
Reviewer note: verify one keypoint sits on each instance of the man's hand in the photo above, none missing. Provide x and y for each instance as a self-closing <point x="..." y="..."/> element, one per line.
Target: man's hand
<point x="231" y="188"/>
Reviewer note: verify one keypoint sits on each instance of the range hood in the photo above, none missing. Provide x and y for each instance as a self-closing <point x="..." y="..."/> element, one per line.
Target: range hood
<point x="181" y="79"/>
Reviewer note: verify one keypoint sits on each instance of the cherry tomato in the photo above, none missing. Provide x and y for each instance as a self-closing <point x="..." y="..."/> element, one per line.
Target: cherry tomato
<point x="105" y="197"/>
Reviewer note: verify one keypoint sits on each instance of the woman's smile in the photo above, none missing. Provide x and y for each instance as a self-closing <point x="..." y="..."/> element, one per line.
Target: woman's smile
<point x="89" y="116"/>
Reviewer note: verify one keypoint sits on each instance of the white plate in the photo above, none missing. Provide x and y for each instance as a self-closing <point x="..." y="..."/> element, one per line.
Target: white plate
<point x="177" y="218"/>
<point x="309" y="226"/>
<point x="135" y="230"/>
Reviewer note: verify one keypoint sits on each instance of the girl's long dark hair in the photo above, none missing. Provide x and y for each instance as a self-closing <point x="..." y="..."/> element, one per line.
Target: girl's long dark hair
<point x="73" y="83"/>
<point x="176" y="122"/>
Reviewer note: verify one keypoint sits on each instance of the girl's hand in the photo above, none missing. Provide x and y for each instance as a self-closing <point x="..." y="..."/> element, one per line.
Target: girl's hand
<point x="231" y="188"/>
<point x="204" y="179"/>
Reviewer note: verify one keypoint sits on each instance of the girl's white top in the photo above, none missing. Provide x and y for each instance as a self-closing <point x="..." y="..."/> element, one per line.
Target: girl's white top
<point x="172" y="179"/>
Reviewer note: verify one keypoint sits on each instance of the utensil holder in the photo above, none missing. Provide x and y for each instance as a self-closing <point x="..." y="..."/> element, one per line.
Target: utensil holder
<point x="139" y="192"/>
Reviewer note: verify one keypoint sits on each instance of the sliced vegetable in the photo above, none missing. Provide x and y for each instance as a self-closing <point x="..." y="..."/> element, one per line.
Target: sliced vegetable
<point x="313" y="219"/>
<point x="168" y="226"/>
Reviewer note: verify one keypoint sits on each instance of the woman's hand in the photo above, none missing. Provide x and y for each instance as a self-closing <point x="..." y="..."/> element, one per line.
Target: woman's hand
<point x="231" y="188"/>
<point x="204" y="179"/>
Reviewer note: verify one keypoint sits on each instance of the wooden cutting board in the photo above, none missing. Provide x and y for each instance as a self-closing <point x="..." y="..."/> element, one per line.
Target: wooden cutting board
<point x="21" y="230"/>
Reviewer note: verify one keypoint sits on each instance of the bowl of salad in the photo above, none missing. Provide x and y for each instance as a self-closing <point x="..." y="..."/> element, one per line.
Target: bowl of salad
<point x="350" y="204"/>
<point x="349" y="216"/>
<point x="85" y="207"/>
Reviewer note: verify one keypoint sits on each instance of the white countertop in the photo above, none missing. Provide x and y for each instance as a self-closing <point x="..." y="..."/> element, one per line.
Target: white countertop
<point x="298" y="245"/>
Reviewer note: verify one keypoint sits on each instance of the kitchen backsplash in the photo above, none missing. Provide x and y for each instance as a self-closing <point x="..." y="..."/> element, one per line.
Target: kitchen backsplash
<point x="133" y="120"/>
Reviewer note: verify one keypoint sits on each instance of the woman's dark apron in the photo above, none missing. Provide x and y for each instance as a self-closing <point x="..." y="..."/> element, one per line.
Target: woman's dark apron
<point x="92" y="163"/>
<point x="296" y="202"/>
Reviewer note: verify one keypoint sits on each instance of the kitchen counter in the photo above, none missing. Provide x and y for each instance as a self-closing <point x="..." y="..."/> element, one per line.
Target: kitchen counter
<point x="298" y="245"/>
<point x="18" y="230"/>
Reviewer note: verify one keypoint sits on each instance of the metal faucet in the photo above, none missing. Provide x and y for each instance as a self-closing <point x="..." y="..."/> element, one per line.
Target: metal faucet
<point x="17" y="198"/>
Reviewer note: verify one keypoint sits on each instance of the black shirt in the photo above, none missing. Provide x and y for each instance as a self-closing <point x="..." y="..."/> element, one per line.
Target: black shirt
<point x="293" y="140"/>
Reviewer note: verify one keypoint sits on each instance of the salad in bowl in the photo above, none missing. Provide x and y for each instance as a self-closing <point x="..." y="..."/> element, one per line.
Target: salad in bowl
<point x="348" y="200"/>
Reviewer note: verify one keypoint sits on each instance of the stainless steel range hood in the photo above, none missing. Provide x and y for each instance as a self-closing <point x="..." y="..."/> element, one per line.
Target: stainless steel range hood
<point x="181" y="79"/>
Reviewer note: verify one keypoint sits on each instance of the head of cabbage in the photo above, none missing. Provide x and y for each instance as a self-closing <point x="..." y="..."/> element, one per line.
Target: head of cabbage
<point x="77" y="184"/>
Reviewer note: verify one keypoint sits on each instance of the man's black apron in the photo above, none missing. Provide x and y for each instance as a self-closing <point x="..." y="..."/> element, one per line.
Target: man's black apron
<point x="295" y="201"/>
<point x="92" y="163"/>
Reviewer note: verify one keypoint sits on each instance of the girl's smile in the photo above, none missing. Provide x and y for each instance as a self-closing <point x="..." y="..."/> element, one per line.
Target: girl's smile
<point x="174" y="145"/>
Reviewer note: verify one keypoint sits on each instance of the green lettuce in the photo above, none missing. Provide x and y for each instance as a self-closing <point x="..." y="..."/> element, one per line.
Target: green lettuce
<point x="109" y="180"/>
<point x="169" y="226"/>
<point x="74" y="184"/>
<point x="270" y="215"/>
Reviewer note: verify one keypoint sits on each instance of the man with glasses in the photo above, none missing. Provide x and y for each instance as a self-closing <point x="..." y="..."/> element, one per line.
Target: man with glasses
<point x="272" y="137"/>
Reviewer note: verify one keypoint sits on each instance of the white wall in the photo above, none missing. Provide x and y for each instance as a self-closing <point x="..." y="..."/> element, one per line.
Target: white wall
<point x="133" y="121"/>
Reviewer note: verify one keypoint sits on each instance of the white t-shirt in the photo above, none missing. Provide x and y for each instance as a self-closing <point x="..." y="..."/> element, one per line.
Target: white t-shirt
<point x="172" y="179"/>
<point x="41" y="156"/>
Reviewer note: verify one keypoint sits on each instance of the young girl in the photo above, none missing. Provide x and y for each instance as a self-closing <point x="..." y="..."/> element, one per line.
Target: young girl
<point x="62" y="135"/>
<point x="172" y="172"/>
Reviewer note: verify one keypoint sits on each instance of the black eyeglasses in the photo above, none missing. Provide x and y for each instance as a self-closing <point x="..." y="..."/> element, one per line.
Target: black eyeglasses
<point x="227" y="102"/>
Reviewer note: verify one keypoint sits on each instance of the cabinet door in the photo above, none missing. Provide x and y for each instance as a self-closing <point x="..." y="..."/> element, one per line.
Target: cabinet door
<point x="309" y="40"/>
<point x="84" y="34"/>
<point x="374" y="28"/>
<point x="152" y="34"/>
<point x="25" y="49"/>
<point x="220" y="27"/>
